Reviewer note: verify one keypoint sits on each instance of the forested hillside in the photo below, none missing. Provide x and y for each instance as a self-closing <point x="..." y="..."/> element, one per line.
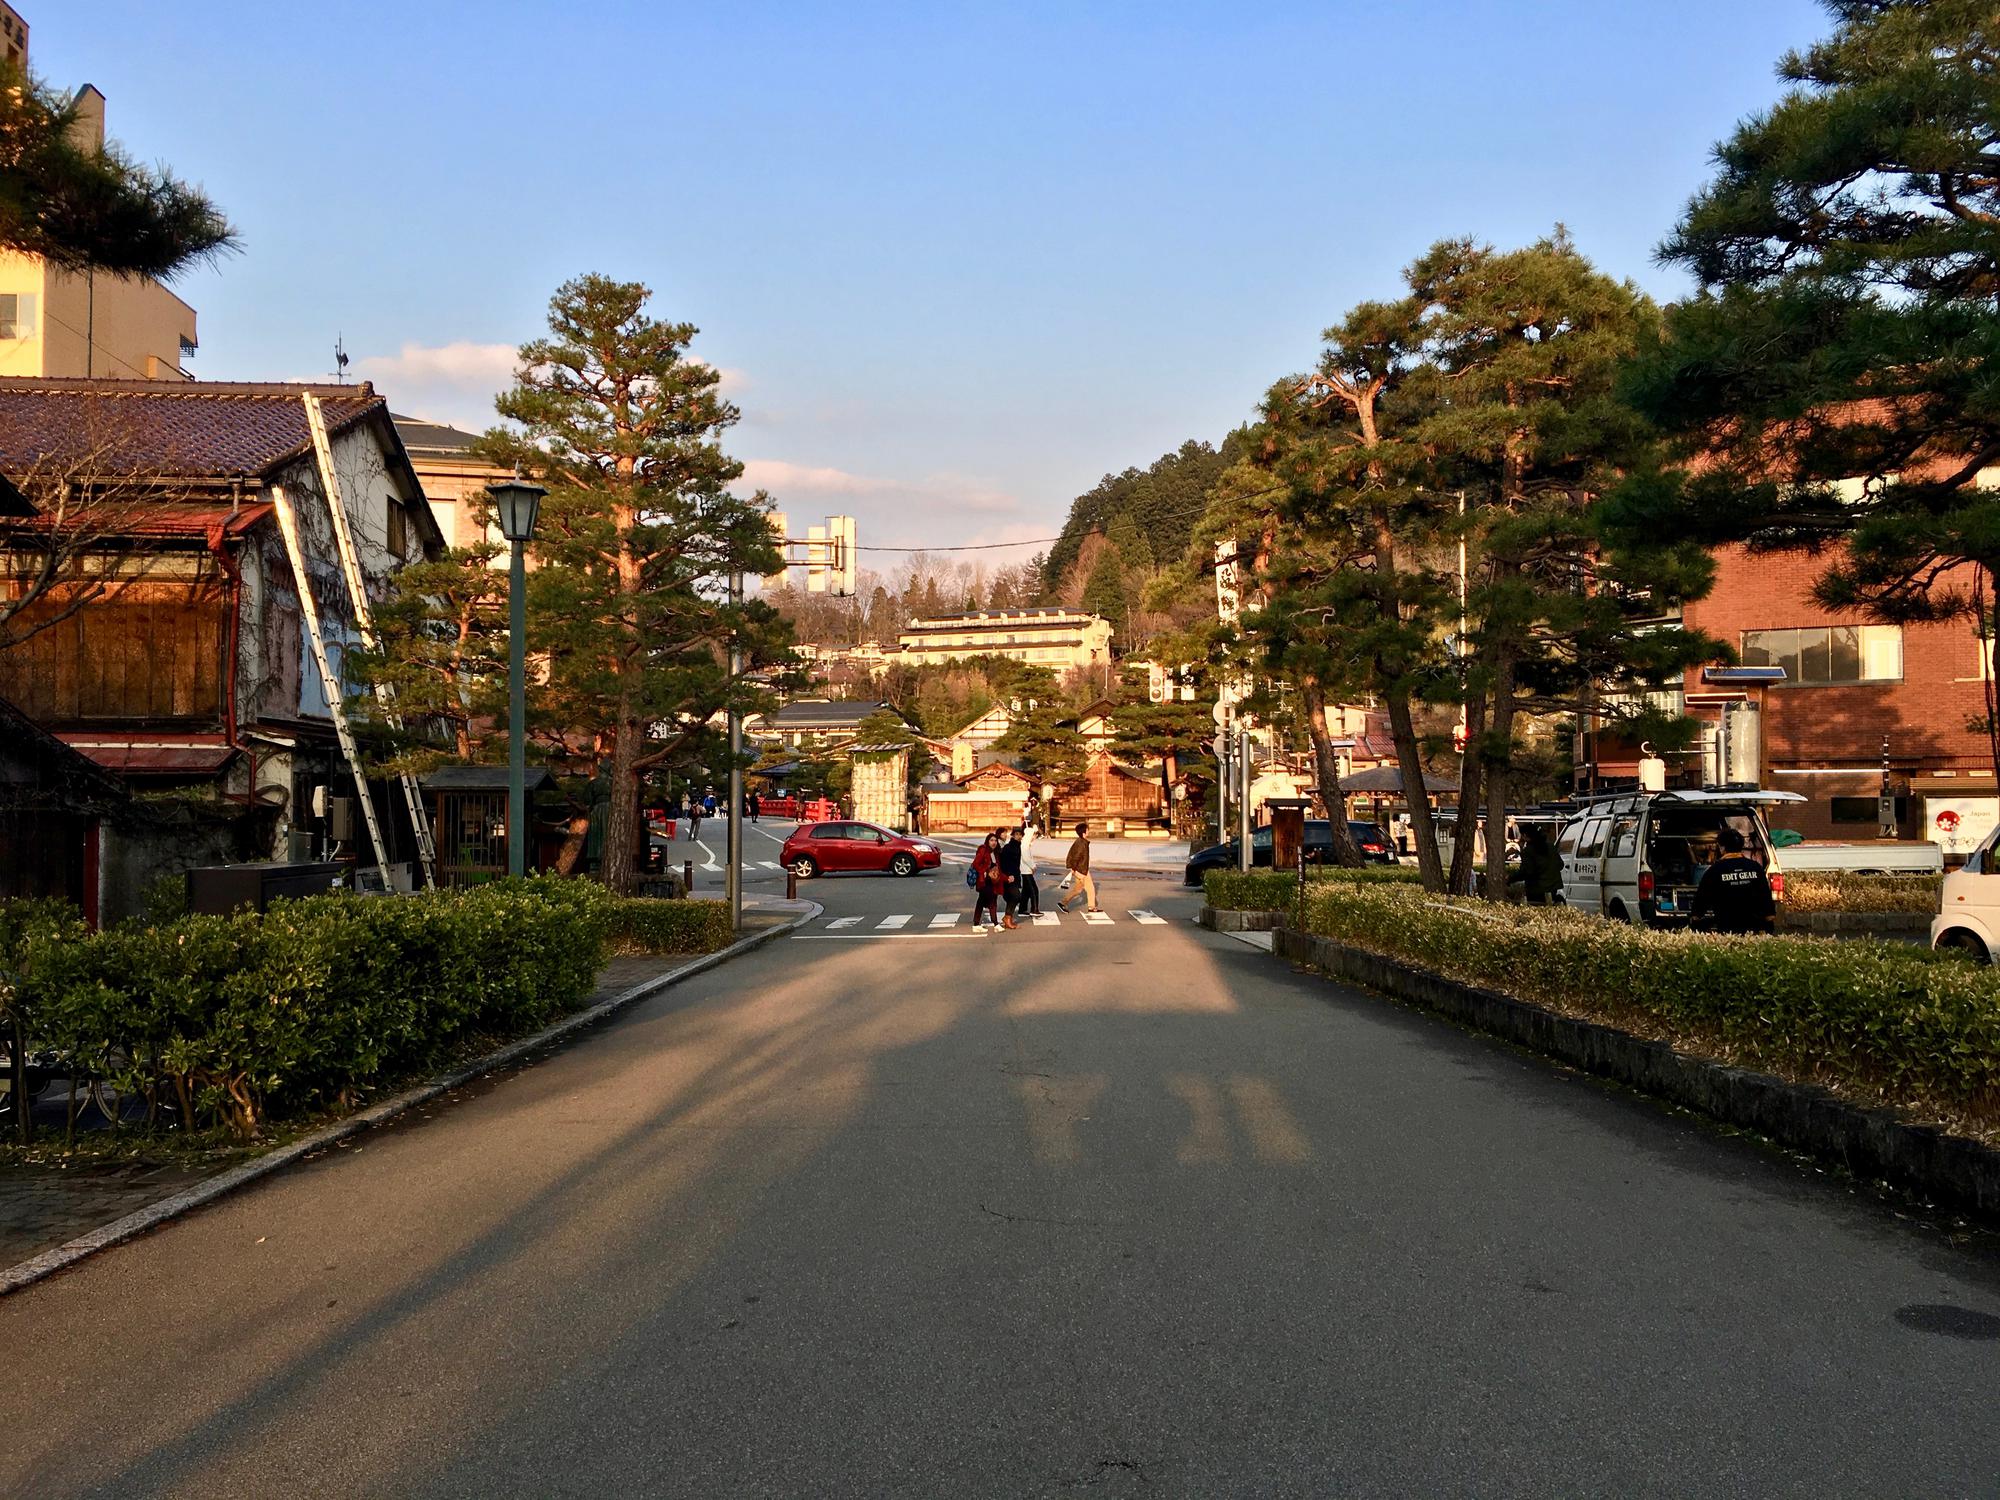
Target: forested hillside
<point x="1149" y="514"/>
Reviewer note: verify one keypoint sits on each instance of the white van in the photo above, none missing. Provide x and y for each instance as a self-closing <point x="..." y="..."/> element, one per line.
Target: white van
<point x="1637" y="857"/>
<point x="1968" y="916"/>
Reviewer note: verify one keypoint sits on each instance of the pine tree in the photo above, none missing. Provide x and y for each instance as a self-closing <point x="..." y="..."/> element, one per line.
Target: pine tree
<point x="1522" y="351"/>
<point x="442" y="651"/>
<point x="1847" y="326"/>
<point x="638" y="537"/>
<point x="85" y="209"/>
<point x="1104" y="590"/>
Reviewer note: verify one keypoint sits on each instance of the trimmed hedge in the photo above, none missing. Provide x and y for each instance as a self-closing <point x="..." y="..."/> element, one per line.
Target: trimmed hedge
<point x="1885" y="1020"/>
<point x="1250" y="890"/>
<point x="244" y="1019"/>
<point x="1838" y="891"/>
<point x="642" y="926"/>
<point x="1277" y="890"/>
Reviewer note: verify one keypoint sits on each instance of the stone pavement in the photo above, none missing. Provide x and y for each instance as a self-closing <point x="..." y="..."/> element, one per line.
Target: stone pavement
<point x="42" y="1207"/>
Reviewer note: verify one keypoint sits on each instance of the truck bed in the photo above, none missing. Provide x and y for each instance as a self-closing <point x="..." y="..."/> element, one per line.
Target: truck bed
<point x="1863" y="856"/>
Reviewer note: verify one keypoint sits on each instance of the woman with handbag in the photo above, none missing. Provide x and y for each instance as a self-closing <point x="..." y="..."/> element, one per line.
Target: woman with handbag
<point x="988" y="882"/>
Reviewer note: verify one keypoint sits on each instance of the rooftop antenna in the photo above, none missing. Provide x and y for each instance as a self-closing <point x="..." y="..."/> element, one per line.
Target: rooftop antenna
<point x="339" y="360"/>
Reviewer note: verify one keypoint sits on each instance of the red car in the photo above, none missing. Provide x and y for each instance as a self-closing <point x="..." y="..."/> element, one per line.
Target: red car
<point x="827" y="848"/>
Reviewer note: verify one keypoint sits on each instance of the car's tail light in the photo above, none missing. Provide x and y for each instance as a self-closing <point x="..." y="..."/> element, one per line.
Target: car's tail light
<point x="1645" y="885"/>
<point x="1777" y="885"/>
<point x="1373" y="848"/>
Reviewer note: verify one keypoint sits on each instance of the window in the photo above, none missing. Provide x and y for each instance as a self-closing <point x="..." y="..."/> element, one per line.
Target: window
<point x="1590" y="843"/>
<point x="17" y="315"/>
<point x="1625" y="838"/>
<point x="399" y="529"/>
<point x="1820" y="654"/>
<point x="1864" y="809"/>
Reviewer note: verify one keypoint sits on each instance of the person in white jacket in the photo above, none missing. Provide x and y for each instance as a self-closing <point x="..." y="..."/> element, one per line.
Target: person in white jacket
<point x="1030" y="898"/>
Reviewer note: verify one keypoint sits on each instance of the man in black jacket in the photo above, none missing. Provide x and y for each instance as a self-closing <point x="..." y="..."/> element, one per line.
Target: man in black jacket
<point x="1734" y="894"/>
<point x="1010" y="870"/>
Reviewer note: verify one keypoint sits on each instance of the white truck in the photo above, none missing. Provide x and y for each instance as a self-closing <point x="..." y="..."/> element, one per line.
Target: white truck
<point x="1862" y="857"/>
<point x="1968" y="918"/>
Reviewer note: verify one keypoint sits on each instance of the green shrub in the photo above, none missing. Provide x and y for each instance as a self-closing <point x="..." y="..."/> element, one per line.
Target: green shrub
<point x="244" y="1018"/>
<point x="1276" y="890"/>
<point x="1838" y="891"/>
<point x="1250" y="890"/>
<point x="642" y="926"/>
<point x="1885" y="1019"/>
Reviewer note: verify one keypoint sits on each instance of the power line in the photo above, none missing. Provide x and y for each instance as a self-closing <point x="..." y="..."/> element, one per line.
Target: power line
<point x="1040" y="541"/>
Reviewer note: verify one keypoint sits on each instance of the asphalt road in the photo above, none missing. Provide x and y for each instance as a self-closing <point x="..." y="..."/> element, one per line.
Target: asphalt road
<point x="1126" y="1209"/>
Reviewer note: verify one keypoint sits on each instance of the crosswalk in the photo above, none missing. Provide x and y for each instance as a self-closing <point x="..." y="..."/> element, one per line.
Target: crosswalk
<point x="899" y="923"/>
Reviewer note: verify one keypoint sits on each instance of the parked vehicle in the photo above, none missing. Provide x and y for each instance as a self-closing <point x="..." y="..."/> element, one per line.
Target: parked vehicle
<point x="1637" y="857"/>
<point x="1861" y="857"/>
<point x="1368" y="838"/>
<point x="836" y="847"/>
<point x="1968" y="919"/>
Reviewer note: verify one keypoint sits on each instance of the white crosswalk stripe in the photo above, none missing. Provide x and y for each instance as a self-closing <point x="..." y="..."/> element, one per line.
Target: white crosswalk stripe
<point x="945" y="922"/>
<point x="770" y="864"/>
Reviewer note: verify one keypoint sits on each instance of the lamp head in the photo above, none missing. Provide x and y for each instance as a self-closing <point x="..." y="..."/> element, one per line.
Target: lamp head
<point x="516" y="504"/>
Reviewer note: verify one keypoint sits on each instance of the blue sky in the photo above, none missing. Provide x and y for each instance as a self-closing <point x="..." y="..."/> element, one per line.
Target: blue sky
<point x="958" y="261"/>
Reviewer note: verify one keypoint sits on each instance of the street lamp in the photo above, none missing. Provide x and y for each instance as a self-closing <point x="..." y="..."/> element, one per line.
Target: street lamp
<point x="517" y="503"/>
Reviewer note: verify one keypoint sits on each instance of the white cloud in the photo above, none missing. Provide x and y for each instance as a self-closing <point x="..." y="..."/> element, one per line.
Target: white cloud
<point x="945" y="492"/>
<point x="464" y="365"/>
<point x="453" y="383"/>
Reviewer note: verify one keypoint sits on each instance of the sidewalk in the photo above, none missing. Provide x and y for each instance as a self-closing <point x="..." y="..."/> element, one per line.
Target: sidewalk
<point x="43" y="1207"/>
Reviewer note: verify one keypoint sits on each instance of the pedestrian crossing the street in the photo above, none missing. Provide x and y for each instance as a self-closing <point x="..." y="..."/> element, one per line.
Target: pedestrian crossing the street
<point x="955" y="924"/>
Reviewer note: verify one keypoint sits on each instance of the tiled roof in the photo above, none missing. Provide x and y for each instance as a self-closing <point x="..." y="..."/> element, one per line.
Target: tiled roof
<point x="814" y="713"/>
<point x="167" y="428"/>
<point x="420" y="436"/>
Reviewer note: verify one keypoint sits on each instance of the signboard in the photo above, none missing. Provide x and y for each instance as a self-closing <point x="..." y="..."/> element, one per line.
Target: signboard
<point x="1960" y="824"/>
<point x="1228" y="583"/>
<point x="881" y="789"/>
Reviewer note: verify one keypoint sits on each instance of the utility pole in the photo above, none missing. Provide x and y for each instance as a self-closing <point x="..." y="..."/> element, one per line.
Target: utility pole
<point x="735" y="857"/>
<point x="1243" y="799"/>
<point x="1885" y="805"/>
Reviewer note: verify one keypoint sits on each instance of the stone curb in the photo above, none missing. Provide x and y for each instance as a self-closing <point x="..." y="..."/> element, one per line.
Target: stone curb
<point x="1873" y="1144"/>
<point x="1224" y="919"/>
<point x="136" y="1223"/>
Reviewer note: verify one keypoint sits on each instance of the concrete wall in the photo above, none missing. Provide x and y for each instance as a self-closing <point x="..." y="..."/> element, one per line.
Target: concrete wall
<point x="135" y="326"/>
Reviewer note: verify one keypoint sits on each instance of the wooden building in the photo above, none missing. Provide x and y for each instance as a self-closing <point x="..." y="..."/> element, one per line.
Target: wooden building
<point x="195" y="642"/>
<point x="994" y="796"/>
<point x="1110" y="790"/>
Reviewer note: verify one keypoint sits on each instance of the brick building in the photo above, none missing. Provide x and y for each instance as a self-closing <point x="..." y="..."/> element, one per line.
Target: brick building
<point x="1851" y="685"/>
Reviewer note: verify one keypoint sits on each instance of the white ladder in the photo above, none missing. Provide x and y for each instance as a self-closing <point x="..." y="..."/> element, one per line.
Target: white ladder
<point x="357" y="592"/>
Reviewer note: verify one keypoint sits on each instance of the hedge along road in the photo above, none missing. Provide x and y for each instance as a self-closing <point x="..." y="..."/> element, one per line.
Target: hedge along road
<point x="1127" y="1207"/>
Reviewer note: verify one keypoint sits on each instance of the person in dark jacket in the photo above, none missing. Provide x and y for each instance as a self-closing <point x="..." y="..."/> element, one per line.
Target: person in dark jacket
<point x="1734" y="894"/>
<point x="1010" y="872"/>
<point x="1541" y="867"/>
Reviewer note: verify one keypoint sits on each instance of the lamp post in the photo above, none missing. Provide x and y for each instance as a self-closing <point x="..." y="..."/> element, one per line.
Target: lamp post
<point x="517" y="503"/>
